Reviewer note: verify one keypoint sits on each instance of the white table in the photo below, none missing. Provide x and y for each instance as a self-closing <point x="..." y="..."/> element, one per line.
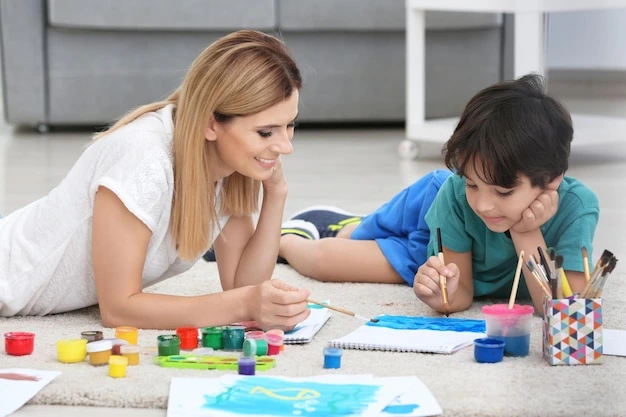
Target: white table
<point x="529" y="56"/>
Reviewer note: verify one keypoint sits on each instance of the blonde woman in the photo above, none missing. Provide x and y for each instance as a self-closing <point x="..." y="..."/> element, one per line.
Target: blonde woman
<point x="158" y="188"/>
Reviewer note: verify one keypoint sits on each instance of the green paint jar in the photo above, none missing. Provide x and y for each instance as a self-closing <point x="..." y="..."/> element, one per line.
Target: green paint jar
<point x="168" y="344"/>
<point x="254" y="347"/>
<point x="212" y="337"/>
<point x="232" y="337"/>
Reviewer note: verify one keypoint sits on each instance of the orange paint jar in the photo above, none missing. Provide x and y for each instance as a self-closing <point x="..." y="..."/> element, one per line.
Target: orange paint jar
<point x="127" y="333"/>
<point x="99" y="352"/>
<point x="131" y="352"/>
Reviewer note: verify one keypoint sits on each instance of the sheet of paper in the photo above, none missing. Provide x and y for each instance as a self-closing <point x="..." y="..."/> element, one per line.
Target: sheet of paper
<point x="263" y="396"/>
<point x="416" y="401"/>
<point x="614" y="342"/>
<point x="18" y="386"/>
<point x="304" y="331"/>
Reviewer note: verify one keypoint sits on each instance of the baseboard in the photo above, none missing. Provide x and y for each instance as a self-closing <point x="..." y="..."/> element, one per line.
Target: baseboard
<point x="590" y="84"/>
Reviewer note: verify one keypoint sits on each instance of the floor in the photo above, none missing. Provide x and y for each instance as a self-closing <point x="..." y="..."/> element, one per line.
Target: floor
<point x="354" y="169"/>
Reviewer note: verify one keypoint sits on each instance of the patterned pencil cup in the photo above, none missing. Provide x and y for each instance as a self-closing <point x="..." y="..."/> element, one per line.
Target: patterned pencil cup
<point x="572" y="331"/>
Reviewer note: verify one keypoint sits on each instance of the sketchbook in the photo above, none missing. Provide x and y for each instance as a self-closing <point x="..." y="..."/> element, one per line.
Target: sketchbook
<point x="304" y="331"/>
<point x="414" y="334"/>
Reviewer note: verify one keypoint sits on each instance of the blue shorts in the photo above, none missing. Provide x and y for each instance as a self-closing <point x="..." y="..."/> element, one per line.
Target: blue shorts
<point x="399" y="226"/>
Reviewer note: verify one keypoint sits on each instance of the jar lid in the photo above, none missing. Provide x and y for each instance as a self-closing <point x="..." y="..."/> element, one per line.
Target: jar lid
<point x="99" y="346"/>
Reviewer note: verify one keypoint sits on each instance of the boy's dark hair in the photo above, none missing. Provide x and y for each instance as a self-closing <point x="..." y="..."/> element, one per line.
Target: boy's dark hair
<point x="512" y="128"/>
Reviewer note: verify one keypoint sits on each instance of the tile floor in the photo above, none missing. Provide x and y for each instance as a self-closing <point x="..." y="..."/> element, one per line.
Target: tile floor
<point x="355" y="169"/>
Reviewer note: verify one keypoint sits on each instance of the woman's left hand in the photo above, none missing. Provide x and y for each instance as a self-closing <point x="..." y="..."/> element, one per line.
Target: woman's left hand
<point x="277" y="182"/>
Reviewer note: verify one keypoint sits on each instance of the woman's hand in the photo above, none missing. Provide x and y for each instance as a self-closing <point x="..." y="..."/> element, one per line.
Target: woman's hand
<point x="277" y="305"/>
<point x="426" y="283"/>
<point x="277" y="182"/>
<point x="539" y="212"/>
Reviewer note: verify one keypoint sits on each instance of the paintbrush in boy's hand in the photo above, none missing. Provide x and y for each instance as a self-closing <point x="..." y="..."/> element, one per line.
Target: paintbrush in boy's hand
<point x="341" y="310"/>
<point x="443" y="282"/>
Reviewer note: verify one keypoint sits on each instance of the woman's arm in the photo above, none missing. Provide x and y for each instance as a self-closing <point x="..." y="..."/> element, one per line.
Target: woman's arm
<point x="119" y="244"/>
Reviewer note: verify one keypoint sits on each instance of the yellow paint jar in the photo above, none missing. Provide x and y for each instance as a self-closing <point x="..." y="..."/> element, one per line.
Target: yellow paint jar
<point x="127" y="333"/>
<point x="117" y="366"/>
<point x="99" y="352"/>
<point x="71" y="350"/>
<point x="131" y="352"/>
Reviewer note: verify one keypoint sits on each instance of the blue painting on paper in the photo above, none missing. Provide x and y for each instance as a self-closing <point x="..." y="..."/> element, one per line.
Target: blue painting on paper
<point x="429" y="323"/>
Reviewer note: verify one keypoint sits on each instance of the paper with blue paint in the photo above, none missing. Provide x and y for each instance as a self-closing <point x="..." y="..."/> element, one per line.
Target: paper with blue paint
<point x="264" y="396"/>
<point x="414" y="334"/>
<point x="416" y="401"/>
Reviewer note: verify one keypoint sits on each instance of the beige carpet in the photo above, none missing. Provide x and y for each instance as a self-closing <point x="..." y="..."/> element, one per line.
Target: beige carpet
<point x="515" y="387"/>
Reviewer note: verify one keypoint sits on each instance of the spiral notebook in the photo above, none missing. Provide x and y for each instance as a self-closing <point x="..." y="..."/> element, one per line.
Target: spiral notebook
<point x="304" y="331"/>
<point x="414" y="334"/>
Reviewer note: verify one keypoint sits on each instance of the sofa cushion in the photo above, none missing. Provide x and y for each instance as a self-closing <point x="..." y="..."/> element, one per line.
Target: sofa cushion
<point x="370" y="15"/>
<point x="163" y="14"/>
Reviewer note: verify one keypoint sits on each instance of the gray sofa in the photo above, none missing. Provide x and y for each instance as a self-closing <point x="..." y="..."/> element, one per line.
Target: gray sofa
<point x="86" y="62"/>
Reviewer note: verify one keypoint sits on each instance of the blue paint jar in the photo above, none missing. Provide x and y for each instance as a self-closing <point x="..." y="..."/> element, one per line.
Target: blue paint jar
<point x="332" y="358"/>
<point x="488" y="350"/>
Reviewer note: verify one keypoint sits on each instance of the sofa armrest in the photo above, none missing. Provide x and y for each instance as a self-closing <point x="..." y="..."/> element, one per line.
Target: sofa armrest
<point x="22" y="26"/>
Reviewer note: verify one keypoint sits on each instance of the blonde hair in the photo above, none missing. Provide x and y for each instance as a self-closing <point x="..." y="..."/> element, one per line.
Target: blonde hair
<point x="240" y="74"/>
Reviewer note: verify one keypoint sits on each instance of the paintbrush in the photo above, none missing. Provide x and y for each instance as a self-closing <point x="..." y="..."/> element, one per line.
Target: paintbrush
<point x="586" y="264"/>
<point x="342" y="310"/>
<point x="443" y="282"/>
<point x="513" y="295"/>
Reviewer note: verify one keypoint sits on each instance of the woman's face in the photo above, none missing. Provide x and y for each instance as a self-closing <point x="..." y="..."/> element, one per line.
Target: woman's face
<point x="252" y="145"/>
<point x="498" y="207"/>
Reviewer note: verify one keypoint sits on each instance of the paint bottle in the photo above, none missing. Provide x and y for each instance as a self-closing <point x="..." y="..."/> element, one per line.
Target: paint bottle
<point x="255" y="334"/>
<point x="246" y="365"/>
<point x="254" y="347"/>
<point x="91" y="335"/>
<point x="168" y="344"/>
<point x="274" y="342"/>
<point x="72" y="350"/>
<point x="280" y="333"/>
<point x="99" y="352"/>
<point x="130" y="352"/>
<point x="117" y="366"/>
<point x="19" y="343"/>
<point x="127" y="333"/>
<point x="188" y="337"/>
<point x="212" y="337"/>
<point x="332" y="358"/>
<point x="232" y="337"/>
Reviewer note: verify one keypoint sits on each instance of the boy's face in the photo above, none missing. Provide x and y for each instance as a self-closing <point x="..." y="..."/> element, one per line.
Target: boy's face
<point x="499" y="208"/>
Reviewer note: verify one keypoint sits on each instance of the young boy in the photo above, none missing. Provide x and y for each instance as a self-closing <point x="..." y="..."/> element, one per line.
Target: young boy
<point x="506" y="193"/>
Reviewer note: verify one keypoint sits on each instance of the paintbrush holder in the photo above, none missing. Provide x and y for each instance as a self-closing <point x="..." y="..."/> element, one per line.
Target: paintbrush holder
<point x="572" y="331"/>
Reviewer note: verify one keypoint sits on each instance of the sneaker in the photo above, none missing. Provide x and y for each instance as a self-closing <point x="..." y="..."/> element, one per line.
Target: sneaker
<point x="328" y="220"/>
<point x="301" y="228"/>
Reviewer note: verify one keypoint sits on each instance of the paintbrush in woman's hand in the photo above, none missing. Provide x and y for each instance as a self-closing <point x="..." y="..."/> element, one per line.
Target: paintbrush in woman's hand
<point x="341" y="310"/>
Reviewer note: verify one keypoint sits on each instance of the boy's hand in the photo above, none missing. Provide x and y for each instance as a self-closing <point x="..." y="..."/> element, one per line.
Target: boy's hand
<point x="277" y="305"/>
<point x="426" y="283"/>
<point x="539" y="212"/>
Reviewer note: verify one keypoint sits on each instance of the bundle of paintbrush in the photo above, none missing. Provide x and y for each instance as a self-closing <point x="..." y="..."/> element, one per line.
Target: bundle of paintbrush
<point x="549" y="274"/>
<point x="600" y="275"/>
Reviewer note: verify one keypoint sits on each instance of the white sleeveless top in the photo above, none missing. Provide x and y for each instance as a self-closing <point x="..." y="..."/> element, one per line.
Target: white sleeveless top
<point x="45" y="247"/>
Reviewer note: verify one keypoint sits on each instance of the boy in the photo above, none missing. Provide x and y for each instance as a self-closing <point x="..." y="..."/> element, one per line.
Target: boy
<point x="506" y="193"/>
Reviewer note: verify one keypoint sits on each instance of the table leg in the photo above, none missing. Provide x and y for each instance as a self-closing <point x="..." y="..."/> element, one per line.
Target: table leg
<point x="530" y="43"/>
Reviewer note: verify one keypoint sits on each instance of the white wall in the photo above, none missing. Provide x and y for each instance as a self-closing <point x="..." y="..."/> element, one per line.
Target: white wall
<point x="587" y="40"/>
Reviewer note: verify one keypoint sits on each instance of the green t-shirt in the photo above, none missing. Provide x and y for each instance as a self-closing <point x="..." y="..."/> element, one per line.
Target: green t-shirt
<point x="493" y="255"/>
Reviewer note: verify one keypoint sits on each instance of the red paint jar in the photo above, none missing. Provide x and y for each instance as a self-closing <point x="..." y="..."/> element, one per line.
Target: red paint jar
<point x="19" y="343"/>
<point x="188" y="337"/>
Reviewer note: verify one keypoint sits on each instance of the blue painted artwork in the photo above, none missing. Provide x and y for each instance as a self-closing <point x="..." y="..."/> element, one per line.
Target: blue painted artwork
<point x="277" y="397"/>
<point x="400" y="409"/>
<point x="429" y="323"/>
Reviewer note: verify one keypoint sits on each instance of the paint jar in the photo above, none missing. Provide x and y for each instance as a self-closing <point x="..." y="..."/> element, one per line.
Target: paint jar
<point x="127" y="333"/>
<point x="274" y="342"/>
<point x="511" y="325"/>
<point x="91" y="335"/>
<point x="256" y="335"/>
<point x="488" y="350"/>
<point x="131" y="352"/>
<point x="188" y="337"/>
<point x="332" y="358"/>
<point x="72" y="350"/>
<point x="19" y="343"/>
<point x="212" y="337"/>
<point x="117" y="366"/>
<point x="99" y="352"/>
<point x="279" y="333"/>
<point x="254" y="347"/>
<point x="168" y="344"/>
<point x="246" y="365"/>
<point x="117" y="343"/>
<point x="232" y="337"/>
